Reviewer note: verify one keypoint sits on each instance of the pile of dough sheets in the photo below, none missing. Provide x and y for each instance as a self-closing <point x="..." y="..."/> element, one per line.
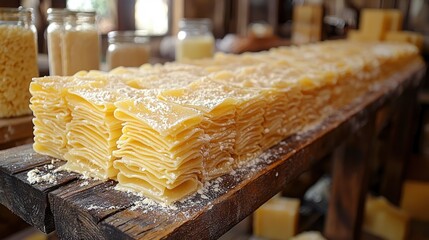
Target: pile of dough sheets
<point x="164" y="130"/>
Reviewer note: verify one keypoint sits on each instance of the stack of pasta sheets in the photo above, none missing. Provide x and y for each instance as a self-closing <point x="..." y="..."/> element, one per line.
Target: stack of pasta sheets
<point x="159" y="151"/>
<point x="216" y="103"/>
<point x="93" y="131"/>
<point x="51" y="114"/>
<point x="164" y="130"/>
<point x="249" y="118"/>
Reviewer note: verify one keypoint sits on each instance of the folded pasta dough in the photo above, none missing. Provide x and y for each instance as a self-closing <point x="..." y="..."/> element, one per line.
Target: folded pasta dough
<point x="168" y="76"/>
<point x="159" y="151"/>
<point x="51" y="113"/>
<point x="93" y="130"/>
<point x="217" y="103"/>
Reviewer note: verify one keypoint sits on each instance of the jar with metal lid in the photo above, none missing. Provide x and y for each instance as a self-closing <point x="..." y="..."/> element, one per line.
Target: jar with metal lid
<point x="18" y="60"/>
<point x="54" y="34"/>
<point x="194" y="39"/>
<point x="127" y="49"/>
<point x="80" y="43"/>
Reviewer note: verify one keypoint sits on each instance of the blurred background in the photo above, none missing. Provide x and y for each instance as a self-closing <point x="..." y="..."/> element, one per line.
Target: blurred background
<point x="233" y="21"/>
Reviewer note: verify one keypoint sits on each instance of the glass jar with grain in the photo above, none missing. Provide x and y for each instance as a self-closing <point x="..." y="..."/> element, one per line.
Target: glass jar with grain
<point x="18" y="60"/>
<point x="194" y="40"/>
<point x="127" y="49"/>
<point x="54" y="34"/>
<point x="80" y="43"/>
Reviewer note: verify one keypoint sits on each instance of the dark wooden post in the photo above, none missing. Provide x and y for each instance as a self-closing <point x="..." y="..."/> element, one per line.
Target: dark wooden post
<point x="242" y="17"/>
<point x="397" y="147"/>
<point x="273" y="14"/>
<point x="349" y="184"/>
<point x="126" y="19"/>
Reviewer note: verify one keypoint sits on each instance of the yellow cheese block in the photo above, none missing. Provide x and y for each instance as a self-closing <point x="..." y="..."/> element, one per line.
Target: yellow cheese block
<point x="277" y="218"/>
<point x="308" y="14"/>
<point x="395" y="19"/>
<point x="415" y="199"/>
<point x="374" y="23"/>
<point x="396" y="36"/>
<point x="317" y="15"/>
<point x="353" y="35"/>
<point x="302" y="13"/>
<point x="301" y="33"/>
<point x="357" y="35"/>
<point x="306" y="33"/>
<point x="307" y="24"/>
<point x="385" y="220"/>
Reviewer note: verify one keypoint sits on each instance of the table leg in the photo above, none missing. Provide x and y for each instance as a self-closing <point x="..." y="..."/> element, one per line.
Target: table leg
<point x="398" y="146"/>
<point x="349" y="184"/>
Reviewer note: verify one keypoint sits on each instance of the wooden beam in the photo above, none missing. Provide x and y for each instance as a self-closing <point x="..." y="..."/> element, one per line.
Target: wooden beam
<point x="219" y="28"/>
<point x="398" y="146"/>
<point x="10" y="3"/>
<point x="349" y="184"/>
<point x="58" y="3"/>
<point x="178" y="7"/>
<point x="126" y="17"/>
<point x="273" y="14"/>
<point x="12" y="129"/>
<point x="28" y="201"/>
<point x="242" y="17"/>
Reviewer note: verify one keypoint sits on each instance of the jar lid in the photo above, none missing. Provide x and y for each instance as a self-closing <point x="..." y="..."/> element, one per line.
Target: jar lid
<point x="138" y="36"/>
<point x="86" y="17"/>
<point x="57" y="14"/>
<point x="195" y="23"/>
<point x="16" y="14"/>
<point x="70" y="17"/>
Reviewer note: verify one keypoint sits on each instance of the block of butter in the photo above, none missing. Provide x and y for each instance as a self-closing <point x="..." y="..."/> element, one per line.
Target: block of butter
<point x="385" y="220"/>
<point x="277" y="218"/>
<point x="415" y="199"/>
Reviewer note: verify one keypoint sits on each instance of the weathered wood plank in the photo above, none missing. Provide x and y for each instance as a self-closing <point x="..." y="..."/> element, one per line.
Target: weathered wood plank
<point x="22" y="158"/>
<point x="209" y="215"/>
<point x="29" y="201"/>
<point x="396" y="151"/>
<point x="80" y="206"/>
<point x="12" y="129"/>
<point x="349" y="184"/>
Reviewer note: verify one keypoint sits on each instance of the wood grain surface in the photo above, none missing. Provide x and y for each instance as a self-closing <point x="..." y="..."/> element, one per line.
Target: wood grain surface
<point x="12" y="129"/>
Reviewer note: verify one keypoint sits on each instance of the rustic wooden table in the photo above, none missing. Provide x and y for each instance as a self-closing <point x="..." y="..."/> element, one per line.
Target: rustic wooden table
<point x="79" y="208"/>
<point x="14" y="130"/>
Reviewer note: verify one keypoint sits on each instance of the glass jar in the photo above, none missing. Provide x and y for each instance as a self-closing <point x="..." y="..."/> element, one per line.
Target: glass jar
<point x="54" y="34"/>
<point x="18" y="60"/>
<point x="80" y="43"/>
<point x="127" y="49"/>
<point x="194" y="39"/>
